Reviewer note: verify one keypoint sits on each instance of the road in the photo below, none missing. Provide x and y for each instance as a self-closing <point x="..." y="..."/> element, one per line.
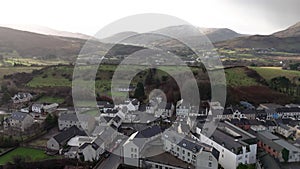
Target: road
<point x="114" y="160"/>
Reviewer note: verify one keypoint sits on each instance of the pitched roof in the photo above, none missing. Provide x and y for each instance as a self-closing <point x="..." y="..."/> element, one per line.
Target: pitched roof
<point x="19" y="116"/>
<point x="192" y="146"/>
<point x="149" y="132"/>
<point x="74" y="117"/>
<point x="67" y="134"/>
<point x="288" y="110"/>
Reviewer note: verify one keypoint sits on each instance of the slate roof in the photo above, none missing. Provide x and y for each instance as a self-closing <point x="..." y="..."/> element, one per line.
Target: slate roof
<point x="116" y="119"/>
<point x="67" y="134"/>
<point x="189" y="145"/>
<point x="288" y="110"/>
<point x="74" y="117"/>
<point x="149" y="132"/>
<point x="19" y="116"/>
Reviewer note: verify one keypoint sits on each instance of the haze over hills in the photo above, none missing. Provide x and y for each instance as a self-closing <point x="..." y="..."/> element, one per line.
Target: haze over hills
<point x="287" y="40"/>
<point x="47" y="31"/>
<point x="25" y="44"/>
<point x="183" y="31"/>
<point x="18" y="43"/>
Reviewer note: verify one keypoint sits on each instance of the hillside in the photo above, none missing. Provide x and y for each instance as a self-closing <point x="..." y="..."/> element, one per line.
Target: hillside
<point x="289" y="32"/>
<point x="22" y="44"/>
<point x="117" y="37"/>
<point x="27" y="44"/>
<point x="288" y="44"/>
<point x="47" y="31"/>
<point x="183" y="31"/>
<point x="287" y="40"/>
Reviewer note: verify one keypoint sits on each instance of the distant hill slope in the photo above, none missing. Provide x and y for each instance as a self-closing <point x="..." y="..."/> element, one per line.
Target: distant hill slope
<point x="117" y="37"/>
<point x="291" y="31"/>
<point x="183" y="31"/>
<point x="33" y="45"/>
<point x="287" y="40"/>
<point x="47" y="31"/>
<point x="28" y="44"/>
<point x="287" y="44"/>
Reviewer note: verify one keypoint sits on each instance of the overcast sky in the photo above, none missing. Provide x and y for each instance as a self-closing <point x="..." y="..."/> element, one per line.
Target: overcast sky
<point x="243" y="16"/>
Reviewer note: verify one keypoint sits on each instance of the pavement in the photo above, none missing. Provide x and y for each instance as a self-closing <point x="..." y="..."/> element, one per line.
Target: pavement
<point x="114" y="160"/>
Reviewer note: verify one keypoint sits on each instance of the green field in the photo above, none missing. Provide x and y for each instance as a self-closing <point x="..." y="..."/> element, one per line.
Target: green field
<point x="48" y="99"/>
<point x="237" y="77"/>
<point x="28" y="153"/>
<point x="12" y="70"/>
<point x="53" y="77"/>
<point x="271" y="72"/>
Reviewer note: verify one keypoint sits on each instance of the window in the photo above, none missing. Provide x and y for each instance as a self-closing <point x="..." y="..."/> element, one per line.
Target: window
<point x="183" y="151"/>
<point x="135" y="150"/>
<point x="209" y="164"/>
<point x="210" y="158"/>
<point x="189" y="154"/>
<point x="177" y="148"/>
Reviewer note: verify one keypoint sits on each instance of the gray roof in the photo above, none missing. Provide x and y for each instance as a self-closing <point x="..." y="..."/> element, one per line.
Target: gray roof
<point x="67" y="134"/>
<point x="231" y="136"/>
<point x="268" y="138"/>
<point x="192" y="146"/>
<point x="19" y="116"/>
<point x="168" y="159"/>
<point x="287" y="145"/>
<point x="284" y="126"/>
<point x="68" y="117"/>
<point x="37" y="105"/>
<point x="74" y="117"/>
<point x="149" y="132"/>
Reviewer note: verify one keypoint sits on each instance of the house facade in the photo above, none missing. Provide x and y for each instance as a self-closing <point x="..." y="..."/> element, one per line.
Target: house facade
<point x="201" y="156"/>
<point x="84" y="121"/>
<point x="19" y="121"/>
<point x="233" y="143"/>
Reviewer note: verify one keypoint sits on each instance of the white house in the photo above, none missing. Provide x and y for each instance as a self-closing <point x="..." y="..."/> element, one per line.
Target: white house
<point x="284" y="130"/>
<point x="50" y="107"/>
<point x="21" y="97"/>
<point x="37" y="108"/>
<point x="135" y="143"/>
<point x="200" y="155"/>
<point x="56" y="142"/>
<point x="234" y="144"/>
<point x="92" y="151"/>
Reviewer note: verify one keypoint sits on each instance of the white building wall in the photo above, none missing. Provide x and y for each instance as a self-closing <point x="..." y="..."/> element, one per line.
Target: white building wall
<point x="131" y="154"/>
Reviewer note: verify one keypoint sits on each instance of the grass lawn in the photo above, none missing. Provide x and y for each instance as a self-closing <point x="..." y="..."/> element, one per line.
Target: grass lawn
<point x="238" y="77"/>
<point x="270" y="72"/>
<point x="28" y="153"/>
<point x="48" y="99"/>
